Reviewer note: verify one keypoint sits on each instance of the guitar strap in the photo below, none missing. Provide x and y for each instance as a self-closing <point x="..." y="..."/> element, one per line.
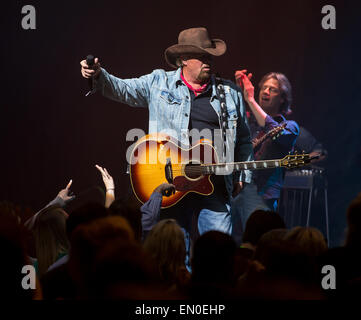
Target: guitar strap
<point x="224" y="114"/>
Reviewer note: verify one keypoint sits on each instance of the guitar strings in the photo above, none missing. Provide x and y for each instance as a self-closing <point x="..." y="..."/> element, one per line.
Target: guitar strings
<point x="199" y="168"/>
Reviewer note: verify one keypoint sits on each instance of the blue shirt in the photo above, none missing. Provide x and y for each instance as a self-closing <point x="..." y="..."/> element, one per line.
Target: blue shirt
<point x="270" y="181"/>
<point x="150" y="213"/>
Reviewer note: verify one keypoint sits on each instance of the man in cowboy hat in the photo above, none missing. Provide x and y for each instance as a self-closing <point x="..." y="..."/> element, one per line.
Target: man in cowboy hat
<point x="187" y="99"/>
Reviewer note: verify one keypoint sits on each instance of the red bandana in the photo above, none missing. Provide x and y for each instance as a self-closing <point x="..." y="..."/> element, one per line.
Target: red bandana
<point x="195" y="91"/>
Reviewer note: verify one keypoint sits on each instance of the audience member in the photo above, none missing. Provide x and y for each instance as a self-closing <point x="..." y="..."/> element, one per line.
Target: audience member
<point x="281" y="269"/>
<point x="56" y="282"/>
<point x="213" y="266"/>
<point x="133" y="215"/>
<point x="142" y="221"/>
<point x="51" y="242"/>
<point x="123" y="270"/>
<point x="64" y="196"/>
<point x="106" y="259"/>
<point x="310" y="240"/>
<point x="347" y="259"/>
<point x="109" y="186"/>
<point x="107" y="262"/>
<point x="260" y="222"/>
<point x="12" y="247"/>
<point x="166" y="245"/>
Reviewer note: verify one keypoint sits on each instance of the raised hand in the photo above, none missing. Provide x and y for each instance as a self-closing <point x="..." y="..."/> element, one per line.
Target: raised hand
<point x="244" y="81"/>
<point x="107" y="178"/>
<point x="66" y="194"/>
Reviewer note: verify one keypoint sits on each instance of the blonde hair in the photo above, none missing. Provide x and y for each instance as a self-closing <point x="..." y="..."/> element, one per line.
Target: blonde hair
<point x="310" y="240"/>
<point x="50" y="237"/>
<point x="165" y="243"/>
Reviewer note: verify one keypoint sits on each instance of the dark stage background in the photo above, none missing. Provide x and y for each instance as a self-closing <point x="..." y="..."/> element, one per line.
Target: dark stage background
<point x="50" y="132"/>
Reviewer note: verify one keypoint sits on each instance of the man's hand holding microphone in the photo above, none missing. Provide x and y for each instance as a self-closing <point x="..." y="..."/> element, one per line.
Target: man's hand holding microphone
<point x="90" y="67"/>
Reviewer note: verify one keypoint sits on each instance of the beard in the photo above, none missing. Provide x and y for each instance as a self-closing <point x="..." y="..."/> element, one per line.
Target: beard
<point x="204" y="75"/>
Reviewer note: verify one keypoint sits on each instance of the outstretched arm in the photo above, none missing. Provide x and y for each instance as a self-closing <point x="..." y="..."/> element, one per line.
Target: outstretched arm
<point x="109" y="186"/>
<point x="245" y="83"/>
<point x="64" y="196"/>
<point x="151" y="209"/>
<point x="134" y="92"/>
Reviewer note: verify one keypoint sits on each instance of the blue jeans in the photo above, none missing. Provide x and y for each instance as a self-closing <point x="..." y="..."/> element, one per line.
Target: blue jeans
<point x="197" y="214"/>
<point x="243" y="205"/>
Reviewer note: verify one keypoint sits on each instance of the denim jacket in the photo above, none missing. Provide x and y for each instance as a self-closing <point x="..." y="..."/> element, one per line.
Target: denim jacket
<point x="169" y="103"/>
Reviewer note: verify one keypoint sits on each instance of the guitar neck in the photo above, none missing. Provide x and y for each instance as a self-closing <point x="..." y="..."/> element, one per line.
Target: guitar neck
<point x="238" y="166"/>
<point x="256" y="142"/>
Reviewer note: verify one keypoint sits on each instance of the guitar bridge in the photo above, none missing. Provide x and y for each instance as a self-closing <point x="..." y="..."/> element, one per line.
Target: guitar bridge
<point x="168" y="171"/>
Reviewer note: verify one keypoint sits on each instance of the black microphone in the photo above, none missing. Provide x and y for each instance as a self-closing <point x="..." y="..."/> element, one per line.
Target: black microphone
<point x="90" y="59"/>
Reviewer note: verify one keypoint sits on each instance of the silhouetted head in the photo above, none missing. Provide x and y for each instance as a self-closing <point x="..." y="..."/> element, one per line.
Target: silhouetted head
<point x="285" y="259"/>
<point x="12" y="248"/>
<point x="260" y="222"/>
<point x="353" y="237"/>
<point x="214" y="258"/>
<point x="123" y="270"/>
<point x="310" y="240"/>
<point x="131" y="213"/>
<point x="88" y="241"/>
<point x="85" y="214"/>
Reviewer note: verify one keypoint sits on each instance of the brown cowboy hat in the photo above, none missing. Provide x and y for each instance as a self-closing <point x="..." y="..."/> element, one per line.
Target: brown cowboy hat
<point x="194" y="41"/>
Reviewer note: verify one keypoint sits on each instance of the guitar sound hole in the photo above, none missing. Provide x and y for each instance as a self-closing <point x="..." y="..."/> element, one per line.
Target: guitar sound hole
<point x="193" y="170"/>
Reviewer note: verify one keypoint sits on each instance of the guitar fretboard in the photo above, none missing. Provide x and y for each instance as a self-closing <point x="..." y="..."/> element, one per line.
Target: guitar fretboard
<point x="237" y="166"/>
<point x="278" y="130"/>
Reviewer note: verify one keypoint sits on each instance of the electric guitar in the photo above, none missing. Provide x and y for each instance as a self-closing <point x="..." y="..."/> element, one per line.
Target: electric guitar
<point x="274" y="134"/>
<point x="157" y="159"/>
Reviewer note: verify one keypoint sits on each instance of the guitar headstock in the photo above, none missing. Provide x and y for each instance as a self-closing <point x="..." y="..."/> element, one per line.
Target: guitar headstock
<point x="295" y="160"/>
<point x="276" y="132"/>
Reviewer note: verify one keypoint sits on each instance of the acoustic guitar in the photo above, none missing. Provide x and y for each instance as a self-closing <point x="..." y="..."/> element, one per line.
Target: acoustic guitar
<point x="157" y="159"/>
